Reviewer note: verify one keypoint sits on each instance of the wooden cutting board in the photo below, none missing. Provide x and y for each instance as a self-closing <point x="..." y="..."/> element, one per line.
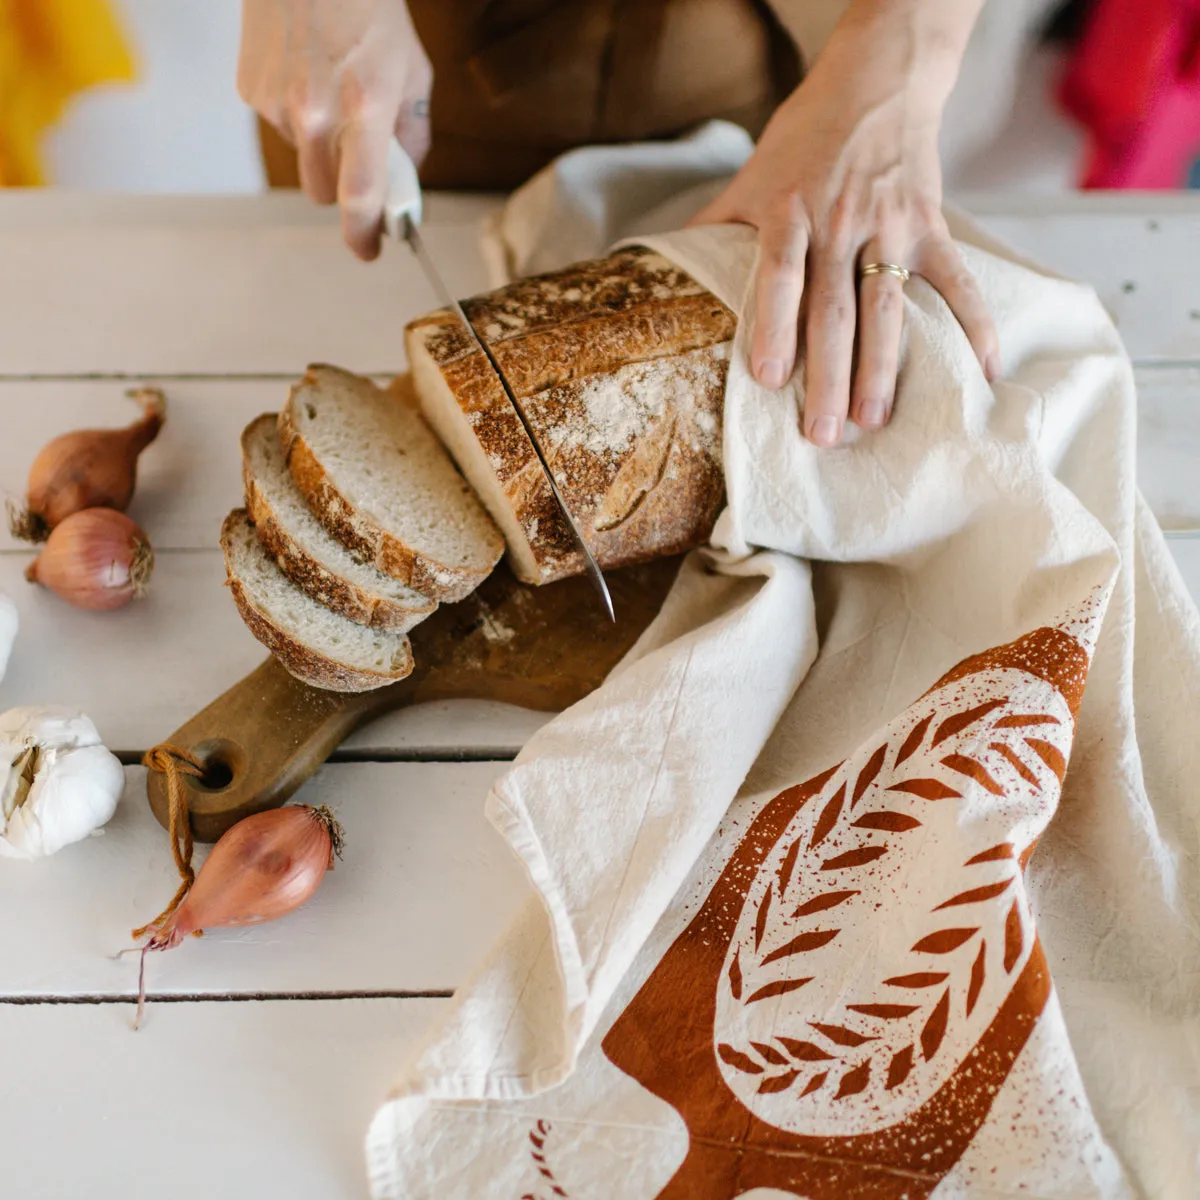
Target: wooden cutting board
<point x="540" y="648"/>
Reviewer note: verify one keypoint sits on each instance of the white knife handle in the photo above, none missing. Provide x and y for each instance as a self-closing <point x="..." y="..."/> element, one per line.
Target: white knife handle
<point x="403" y="197"/>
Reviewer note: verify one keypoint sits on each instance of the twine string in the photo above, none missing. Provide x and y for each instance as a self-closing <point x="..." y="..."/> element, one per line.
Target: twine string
<point x="174" y="763"/>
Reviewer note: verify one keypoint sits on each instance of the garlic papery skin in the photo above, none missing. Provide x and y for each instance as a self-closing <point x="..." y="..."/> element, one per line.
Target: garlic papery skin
<point x="8" y="630"/>
<point x="58" y="782"/>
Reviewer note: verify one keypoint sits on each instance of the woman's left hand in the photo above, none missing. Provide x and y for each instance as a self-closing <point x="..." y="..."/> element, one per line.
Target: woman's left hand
<point x="846" y="174"/>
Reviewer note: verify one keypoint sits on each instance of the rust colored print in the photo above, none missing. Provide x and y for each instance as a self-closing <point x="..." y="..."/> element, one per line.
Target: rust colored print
<point x="539" y="1135"/>
<point x="806" y="1050"/>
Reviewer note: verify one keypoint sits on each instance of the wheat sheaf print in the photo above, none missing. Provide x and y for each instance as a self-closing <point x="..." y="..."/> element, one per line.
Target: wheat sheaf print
<point x="839" y="1015"/>
<point x="822" y="1024"/>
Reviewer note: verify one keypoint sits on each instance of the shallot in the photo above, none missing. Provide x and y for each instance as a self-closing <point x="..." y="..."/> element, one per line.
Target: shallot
<point x="97" y="559"/>
<point x="265" y="866"/>
<point x="90" y="468"/>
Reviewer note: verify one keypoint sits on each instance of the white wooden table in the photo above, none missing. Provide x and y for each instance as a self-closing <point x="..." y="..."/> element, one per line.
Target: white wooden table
<point x="266" y="1051"/>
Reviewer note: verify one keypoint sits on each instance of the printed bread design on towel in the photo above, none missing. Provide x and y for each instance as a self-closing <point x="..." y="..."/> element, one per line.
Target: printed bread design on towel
<point x="838" y="1017"/>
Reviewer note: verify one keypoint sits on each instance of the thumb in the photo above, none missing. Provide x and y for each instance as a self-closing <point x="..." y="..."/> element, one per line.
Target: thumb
<point x="719" y="211"/>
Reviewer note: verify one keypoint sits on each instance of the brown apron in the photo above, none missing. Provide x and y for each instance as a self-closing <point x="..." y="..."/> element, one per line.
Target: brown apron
<point x="517" y="82"/>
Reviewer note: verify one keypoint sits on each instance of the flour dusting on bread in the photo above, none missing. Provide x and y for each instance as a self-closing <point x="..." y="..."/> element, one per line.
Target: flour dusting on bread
<point x="619" y="364"/>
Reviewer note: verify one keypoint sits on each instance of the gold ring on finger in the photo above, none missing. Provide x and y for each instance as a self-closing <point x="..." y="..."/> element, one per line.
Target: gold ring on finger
<point x="885" y="268"/>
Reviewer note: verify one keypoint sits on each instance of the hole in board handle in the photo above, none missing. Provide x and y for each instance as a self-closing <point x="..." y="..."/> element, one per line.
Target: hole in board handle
<point x="224" y="761"/>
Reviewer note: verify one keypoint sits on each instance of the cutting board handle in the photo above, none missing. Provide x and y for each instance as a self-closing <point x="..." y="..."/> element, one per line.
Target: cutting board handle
<point x="537" y="648"/>
<point x="262" y="740"/>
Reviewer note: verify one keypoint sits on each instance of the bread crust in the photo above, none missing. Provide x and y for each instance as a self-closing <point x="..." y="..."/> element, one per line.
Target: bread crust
<point x="628" y="336"/>
<point x="634" y="281"/>
<point x="336" y="593"/>
<point x="300" y="660"/>
<point x="357" y="531"/>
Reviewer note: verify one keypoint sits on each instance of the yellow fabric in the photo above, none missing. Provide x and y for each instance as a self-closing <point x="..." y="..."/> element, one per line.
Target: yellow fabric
<point x="50" y="50"/>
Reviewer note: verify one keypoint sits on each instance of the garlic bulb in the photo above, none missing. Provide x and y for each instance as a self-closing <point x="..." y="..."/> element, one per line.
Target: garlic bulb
<point x="8" y="630"/>
<point x="58" y="783"/>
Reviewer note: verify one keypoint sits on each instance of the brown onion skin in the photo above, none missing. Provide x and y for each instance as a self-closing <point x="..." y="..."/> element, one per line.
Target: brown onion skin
<point x="265" y="866"/>
<point x="97" y="559"/>
<point x="89" y="468"/>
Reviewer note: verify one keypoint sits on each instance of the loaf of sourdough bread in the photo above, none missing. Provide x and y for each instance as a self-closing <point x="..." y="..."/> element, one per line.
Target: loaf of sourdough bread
<point x="620" y="366"/>
<point x="374" y="475"/>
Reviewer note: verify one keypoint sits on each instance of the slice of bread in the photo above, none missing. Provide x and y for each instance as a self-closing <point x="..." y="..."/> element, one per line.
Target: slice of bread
<point x="305" y="552"/>
<point x="377" y="478"/>
<point x="314" y="644"/>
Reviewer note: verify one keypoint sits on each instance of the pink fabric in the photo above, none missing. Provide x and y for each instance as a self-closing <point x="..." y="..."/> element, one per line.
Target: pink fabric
<point x="1135" y="83"/>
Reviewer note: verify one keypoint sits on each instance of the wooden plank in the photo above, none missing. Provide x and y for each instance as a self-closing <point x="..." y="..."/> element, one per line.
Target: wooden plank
<point x="53" y="208"/>
<point x="425" y="887"/>
<point x="234" y="300"/>
<point x="185" y="644"/>
<point x="1130" y="254"/>
<point x="1169" y="444"/>
<point x="985" y="203"/>
<point x="1186" y="552"/>
<point x="191" y="477"/>
<point x="241" y="1100"/>
<point x="263" y="284"/>
<point x="188" y="479"/>
<point x="144" y="670"/>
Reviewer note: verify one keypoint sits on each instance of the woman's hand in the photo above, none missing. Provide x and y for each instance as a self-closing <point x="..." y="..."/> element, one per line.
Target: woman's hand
<point x="337" y="78"/>
<point x="847" y="174"/>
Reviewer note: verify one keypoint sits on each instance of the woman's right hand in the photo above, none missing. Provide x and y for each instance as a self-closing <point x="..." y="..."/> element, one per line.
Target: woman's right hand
<point x="338" y="78"/>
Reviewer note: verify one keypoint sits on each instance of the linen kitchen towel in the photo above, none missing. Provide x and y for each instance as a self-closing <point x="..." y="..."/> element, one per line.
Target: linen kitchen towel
<point x="874" y="870"/>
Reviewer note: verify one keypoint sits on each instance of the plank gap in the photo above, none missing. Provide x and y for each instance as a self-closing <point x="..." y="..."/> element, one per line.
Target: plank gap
<point x="422" y="756"/>
<point x="225" y="997"/>
<point x="133" y="758"/>
<point x="36" y="548"/>
<point x="381" y="375"/>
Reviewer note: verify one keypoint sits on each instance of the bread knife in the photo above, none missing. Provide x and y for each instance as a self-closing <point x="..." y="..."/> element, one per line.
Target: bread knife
<point x="402" y="215"/>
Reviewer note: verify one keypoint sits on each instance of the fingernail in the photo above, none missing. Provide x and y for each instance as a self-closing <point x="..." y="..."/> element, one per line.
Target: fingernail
<point x="826" y="431"/>
<point x="770" y="373"/>
<point x="873" y="414"/>
<point x="994" y="367"/>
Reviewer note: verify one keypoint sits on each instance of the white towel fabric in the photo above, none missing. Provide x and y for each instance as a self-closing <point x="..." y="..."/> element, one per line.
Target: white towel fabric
<point x="783" y="943"/>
